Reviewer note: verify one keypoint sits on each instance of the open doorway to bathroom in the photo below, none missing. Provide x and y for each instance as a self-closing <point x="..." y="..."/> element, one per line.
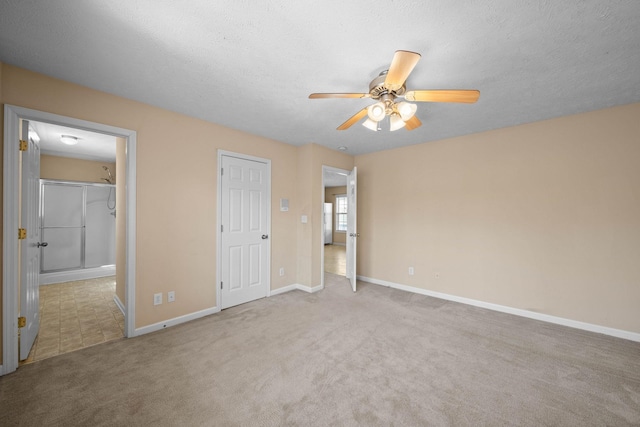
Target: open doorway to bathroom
<point x="78" y="213"/>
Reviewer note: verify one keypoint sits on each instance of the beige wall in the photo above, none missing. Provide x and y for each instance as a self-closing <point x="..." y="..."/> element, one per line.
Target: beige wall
<point x="176" y="189"/>
<point x="542" y="217"/>
<point x="68" y="169"/>
<point x="330" y="197"/>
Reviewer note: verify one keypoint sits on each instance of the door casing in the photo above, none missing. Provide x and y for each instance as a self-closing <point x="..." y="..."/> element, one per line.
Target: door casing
<point x="342" y="172"/>
<point x="10" y="272"/>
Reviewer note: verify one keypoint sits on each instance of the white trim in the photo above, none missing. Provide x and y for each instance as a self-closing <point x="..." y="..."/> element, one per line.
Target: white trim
<point x="339" y="243"/>
<point x="12" y="115"/>
<point x="222" y="153"/>
<point x="308" y="289"/>
<point x="619" y="333"/>
<point x="296" y="287"/>
<point x="119" y="304"/>
<point x="81" y="274"/>
<point x="10" y="223"/>
<point x="283" y="290"/>
<point x="176" y="321"/>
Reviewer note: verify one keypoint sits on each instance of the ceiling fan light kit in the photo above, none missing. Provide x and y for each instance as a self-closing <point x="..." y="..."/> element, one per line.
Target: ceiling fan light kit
<point x="376" y="112"/>
<point x="395" y="122"/>
<point x="389" y="86"/>
<point x="371" y="124"/>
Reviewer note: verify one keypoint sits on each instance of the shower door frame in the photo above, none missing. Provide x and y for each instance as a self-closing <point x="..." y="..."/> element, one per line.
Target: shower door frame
<point x="83" y="233"/>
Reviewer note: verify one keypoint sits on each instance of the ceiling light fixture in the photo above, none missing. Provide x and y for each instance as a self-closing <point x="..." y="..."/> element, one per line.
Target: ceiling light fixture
<point x="395" y="122"/>
<point x="68" y="139"/>
<point x="370" y="124"/>
<point x="376" y="112"/>
<point x="406" y="110"/>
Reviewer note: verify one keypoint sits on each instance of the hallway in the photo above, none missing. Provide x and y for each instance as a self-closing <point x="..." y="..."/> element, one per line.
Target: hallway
<point x="335" y="259"/>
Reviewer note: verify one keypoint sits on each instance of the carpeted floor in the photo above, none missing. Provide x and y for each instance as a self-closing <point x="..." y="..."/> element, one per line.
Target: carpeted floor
<point x="377" y="357"/>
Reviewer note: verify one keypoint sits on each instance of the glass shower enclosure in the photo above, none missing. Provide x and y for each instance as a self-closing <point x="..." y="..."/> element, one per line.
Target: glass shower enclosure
<point x="78" y="225"/>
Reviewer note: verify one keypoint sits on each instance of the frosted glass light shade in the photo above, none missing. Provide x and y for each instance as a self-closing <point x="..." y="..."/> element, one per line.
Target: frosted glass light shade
<point x="395" y="122"/>
<point x="68" y="139"/>
<point x="370" y="124"/>
<point x="376" y="111"/>
<point x="406" y="110"/>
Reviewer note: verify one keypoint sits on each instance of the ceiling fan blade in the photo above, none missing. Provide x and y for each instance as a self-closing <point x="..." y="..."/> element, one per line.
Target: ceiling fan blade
<point x="400" y="68"/>
<point x="339" y="95"/>
<point x="353" y="119"/>
<point x="465" y="96"/>
<point x="412" y="123"/>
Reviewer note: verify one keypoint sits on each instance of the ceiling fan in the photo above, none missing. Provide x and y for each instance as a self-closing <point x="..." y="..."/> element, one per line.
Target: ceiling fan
<point x="388" y="87"/>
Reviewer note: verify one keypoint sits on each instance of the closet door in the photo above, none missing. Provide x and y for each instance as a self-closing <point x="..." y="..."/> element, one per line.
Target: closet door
<point x="62" y="226"/>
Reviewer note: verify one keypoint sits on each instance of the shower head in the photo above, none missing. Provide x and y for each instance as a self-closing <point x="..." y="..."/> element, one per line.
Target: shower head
<point x="110" y="179"/>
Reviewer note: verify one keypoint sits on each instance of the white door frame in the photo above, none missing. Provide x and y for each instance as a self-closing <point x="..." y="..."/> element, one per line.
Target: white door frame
<point x="10" y="271"/>
<point x="329" y="169"/>
<point x="219" y="219"/>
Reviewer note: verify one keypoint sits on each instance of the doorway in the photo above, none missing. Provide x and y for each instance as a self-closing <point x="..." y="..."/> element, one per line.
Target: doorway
<point x="11" y="259"/>
<point x="338" y="223"/>
<point x="77" y="221"/>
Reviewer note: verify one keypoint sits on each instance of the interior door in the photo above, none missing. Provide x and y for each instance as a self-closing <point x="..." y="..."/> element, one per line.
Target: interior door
<point x="30" y="247"/>
<point x="245" y="230"/>
<point x="352" y="230"/>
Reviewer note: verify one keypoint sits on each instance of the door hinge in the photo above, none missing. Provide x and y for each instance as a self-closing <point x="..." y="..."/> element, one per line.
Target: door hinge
<point x="221" y="171"/>
<point x="23" y="145"/>
<point x="22" y="233"/>
<point x="222" y="228"/>
<point x="22" y="322"/>
<point x="221" y="285"/>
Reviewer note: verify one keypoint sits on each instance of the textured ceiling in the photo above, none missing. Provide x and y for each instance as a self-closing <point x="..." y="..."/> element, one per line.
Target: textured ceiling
<point x="251" y="65"/>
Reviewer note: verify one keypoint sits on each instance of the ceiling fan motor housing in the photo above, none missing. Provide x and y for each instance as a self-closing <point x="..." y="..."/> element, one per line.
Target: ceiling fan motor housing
<point x="377" y="87"/>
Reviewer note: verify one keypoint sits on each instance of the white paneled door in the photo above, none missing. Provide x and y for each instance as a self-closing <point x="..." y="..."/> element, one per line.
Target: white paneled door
<point x="30" y="247"/>
<point x="352" y="229"/>
<point x="244" y="230"/>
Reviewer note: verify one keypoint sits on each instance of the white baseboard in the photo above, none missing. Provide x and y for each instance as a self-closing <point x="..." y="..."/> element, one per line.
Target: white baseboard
<point x="619" y="333"/>
<point x="294" y="287"/>
<point x="119" y="304"/>
<point x="72" y="275"/>
<point x="175" y="321"/>
<point x="338" y="244"/>
<point x="283" y="290"/>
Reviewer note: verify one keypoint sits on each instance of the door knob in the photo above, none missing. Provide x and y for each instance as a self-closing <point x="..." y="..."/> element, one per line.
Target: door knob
<point x="43" y="244"/>
<point x="265" y="236"/>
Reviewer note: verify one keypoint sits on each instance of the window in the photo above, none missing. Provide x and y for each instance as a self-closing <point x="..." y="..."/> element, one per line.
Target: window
<point x="341" y="212"/>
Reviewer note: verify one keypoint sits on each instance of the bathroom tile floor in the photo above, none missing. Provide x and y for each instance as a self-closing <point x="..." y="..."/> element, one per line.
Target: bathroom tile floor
<point x="74" y="315"/>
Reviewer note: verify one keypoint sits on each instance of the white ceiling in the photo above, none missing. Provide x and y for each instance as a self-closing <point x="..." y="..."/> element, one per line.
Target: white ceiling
<point x="252" y="65"/>
<point x="90" y="146"/>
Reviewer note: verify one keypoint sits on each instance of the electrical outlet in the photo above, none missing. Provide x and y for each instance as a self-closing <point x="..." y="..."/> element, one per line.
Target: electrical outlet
<point x="171" y="296"/>
<point x="410" y="271"/>
<point x="281" y="271"/>
<point x="157" y="299"/>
